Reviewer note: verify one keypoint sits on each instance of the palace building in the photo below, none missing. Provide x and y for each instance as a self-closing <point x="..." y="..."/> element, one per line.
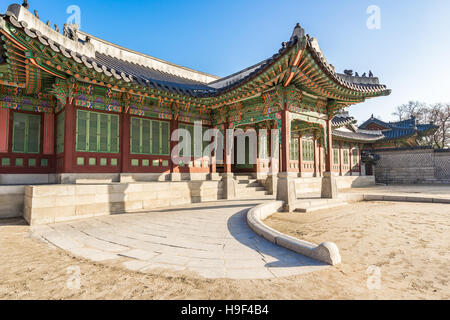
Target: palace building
<point x="405" y="133"/>
<point x="74" y="107"/>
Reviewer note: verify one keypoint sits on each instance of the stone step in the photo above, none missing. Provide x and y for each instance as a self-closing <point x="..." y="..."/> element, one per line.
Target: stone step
<point x="250" y="188"/>
<point x="255" y="194"/>
<point x="313" y="201"/>
<point x="320" y="206"/>
<point x="252" y="182"/>
<point x="243" y="177"/>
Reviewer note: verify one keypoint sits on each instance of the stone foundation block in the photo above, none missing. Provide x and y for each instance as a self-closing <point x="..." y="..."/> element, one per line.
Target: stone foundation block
<point x="329" y="186"/>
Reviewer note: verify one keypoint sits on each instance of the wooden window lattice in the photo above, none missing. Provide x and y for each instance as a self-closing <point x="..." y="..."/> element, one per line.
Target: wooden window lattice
<point x="26" y="133"/>
<point x="149" y="137"/>
<point x="97" y="132"/>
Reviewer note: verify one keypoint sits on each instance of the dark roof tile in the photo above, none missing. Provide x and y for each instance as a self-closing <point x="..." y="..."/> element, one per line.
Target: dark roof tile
<point x="357" y="136"/>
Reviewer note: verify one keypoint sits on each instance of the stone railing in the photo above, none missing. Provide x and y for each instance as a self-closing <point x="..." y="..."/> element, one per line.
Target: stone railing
<point x="327" y="252"/>
<point x="55" y="203"/>
<point x="312" y="185"/>
<point x="11" y="201"/>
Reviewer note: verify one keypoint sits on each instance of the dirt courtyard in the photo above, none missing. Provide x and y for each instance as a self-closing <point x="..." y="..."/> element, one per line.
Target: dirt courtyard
<point x="410" y="243"/>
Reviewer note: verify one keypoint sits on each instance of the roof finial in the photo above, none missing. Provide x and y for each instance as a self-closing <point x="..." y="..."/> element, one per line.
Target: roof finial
<point x="370" y="74"/>
<point x="36" y="14"/>
<point x="66" y="31"/>
<point x="348" y="72"/>
<point x="298" y="32"/>
<point x="25" y="4"/>
<point x="56" y="28"/>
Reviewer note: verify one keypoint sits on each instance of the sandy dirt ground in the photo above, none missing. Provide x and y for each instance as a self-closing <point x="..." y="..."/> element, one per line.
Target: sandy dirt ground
<point x="409" y="242"/>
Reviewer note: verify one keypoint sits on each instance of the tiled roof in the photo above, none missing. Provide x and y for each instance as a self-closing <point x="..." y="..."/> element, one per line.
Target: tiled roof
<point x="341" y="121"/>
<point x="358" y="136"/>
<point x="426" y="127"/>
<point x="150" y="77"/>
<point x="376" y="121"/>
<point x="113" y="65"/>
<point x="164" y="81"/>
<point x="404" y="124"/>
<point x="400" y="129"/>
<point x="398" y="133"/>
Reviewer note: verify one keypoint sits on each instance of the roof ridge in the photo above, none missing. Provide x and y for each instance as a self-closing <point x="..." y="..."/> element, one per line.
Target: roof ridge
<point x="101" y="46"/>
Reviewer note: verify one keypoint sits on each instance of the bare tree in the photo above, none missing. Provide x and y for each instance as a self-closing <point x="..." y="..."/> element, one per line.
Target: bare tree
<point x="410" y="109"/>
<point x="439" y="114"/>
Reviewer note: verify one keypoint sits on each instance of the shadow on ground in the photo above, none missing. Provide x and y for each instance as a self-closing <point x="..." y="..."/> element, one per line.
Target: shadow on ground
<point x="12" y="222"/>
<point x="284" y="258"/>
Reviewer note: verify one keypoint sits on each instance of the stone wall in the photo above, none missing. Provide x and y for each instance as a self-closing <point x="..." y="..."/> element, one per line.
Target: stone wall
<point x="11" y="201"/>
<point x="314" y="185"/>
<point x="55" y="203"/>
<point x="413" y="166"/>
<point x="96" y="178"/>
<point x="24" y="179"/>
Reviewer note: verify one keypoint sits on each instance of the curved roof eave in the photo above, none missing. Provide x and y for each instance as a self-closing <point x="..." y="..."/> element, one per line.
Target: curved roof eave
<point x="356" y="136"/>
<point x="78" y="52"/>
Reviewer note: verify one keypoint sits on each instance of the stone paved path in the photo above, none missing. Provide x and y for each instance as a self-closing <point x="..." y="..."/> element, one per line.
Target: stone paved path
<point x="211" y="239"/>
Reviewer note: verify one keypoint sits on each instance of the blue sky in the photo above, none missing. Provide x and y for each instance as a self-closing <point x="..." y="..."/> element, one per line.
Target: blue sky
<point x="410" y="53"/>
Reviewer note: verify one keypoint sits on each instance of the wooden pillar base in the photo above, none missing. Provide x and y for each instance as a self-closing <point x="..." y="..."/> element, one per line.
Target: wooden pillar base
<point x="175" y="177"/>
<point x="271" y="184"/>
<point x="286" y="190"/>
<point x="214" y="176"/>
<point x="329" y="186"/>
<point x="229" y="186"/>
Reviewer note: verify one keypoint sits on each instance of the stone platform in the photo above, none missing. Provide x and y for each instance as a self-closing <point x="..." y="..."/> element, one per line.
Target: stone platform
<point x="210" y="239"/>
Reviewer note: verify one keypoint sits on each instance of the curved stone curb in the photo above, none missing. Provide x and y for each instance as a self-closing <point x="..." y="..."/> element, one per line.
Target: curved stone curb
<point x="327" y="252"/>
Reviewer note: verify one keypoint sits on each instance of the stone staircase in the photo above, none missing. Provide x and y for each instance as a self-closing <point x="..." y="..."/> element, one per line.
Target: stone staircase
<point x="248" y="187"/>
<point x="311" y="205"/>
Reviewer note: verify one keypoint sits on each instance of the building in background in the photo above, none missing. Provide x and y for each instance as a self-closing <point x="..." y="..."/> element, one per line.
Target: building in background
<point x="406" y="133"/>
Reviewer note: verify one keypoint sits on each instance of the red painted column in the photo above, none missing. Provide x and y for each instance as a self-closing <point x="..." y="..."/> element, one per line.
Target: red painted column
<point x="285" y="140"/>
<point x="269" y="141"/>
<point x="228" y="151"/>
<point x="125" y="124"/>
<point x="359" y="159"/>
<point x="49" y="134"/>
<point x="213" y="166"/>
<point x="258" y="147"/>
<point x="350" y="159"/>
<point x="329" y="154"/>
<point x="69" y="137"/>
<point x="174" y="168"/>
<point x="300" y="156"/>
<point x="4" y="130"/>
<point x="316" y="169"/>
<point x="320" y="159"/>
<point x="340" y="159"/>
